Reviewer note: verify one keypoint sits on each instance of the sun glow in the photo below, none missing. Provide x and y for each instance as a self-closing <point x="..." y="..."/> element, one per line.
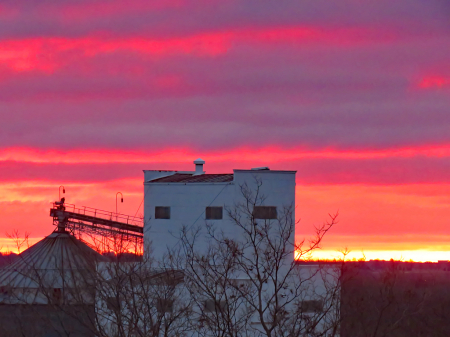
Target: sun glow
<point x="383" y="220"/>
<point x="418" y="255"/>
<point x="8" y="245"/>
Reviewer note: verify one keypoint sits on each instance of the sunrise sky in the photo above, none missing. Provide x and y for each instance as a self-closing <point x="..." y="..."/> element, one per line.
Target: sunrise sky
<point x="353" y="94"/>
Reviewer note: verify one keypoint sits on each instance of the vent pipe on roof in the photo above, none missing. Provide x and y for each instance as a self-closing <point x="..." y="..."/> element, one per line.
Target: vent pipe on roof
<point x="199" y="166"/>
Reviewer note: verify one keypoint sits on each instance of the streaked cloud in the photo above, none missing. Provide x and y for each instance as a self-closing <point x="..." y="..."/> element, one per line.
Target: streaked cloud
<point x="352" y="94"/>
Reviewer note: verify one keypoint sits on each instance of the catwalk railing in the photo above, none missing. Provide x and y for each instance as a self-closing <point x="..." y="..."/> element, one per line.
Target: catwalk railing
<point x="102" y="227"/>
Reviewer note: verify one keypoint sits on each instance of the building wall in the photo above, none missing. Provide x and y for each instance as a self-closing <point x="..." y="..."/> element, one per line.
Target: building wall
<point x="189" y="201"/>
<point x="47" y="320"/>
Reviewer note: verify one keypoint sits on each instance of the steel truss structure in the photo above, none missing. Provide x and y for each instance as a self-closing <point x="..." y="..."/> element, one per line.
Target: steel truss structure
<point x="103" y="231"/>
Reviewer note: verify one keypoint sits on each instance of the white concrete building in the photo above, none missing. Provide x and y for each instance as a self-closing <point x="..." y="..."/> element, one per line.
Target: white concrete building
<point x="173" y="199"/>
<point x="176" y="199"/>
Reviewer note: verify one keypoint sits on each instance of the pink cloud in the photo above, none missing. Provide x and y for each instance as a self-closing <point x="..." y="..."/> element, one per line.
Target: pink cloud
<point x="273" y="154"/>
<point x="434" y="82"/>
<point x="325" y="167"/>
<point x="48" y="54"/>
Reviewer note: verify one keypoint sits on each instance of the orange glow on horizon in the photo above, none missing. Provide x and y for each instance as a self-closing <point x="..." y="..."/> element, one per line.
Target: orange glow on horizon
<point x="373" y="217"/>
<point x="418" y="255"/>
<point x="386" y="223"/>
<point x="8" y="245"/>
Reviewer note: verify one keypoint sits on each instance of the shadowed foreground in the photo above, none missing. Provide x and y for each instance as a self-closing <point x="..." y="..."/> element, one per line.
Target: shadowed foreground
<point x="395" y="299"/>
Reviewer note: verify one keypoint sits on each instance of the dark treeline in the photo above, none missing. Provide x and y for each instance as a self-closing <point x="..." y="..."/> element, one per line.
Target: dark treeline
<point x="6" y="258"/>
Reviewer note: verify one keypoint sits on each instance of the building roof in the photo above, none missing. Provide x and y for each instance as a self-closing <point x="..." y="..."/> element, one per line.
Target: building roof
<point x="190" y="178"/>
<point x="54" y="258"/>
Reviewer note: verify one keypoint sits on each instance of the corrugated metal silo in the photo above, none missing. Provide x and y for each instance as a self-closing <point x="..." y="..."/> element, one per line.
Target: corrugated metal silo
<point x="49" y="288"/>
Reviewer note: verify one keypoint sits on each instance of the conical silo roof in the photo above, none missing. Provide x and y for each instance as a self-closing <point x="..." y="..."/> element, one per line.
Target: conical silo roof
<point x="57" y="261"/>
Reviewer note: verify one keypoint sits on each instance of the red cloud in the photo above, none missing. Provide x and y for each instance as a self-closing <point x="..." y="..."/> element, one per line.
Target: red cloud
<point x="272" y="154"/>
<point x="48" y="54"/>
<point x="434" y="82"/>
<point x="400" y="166"/>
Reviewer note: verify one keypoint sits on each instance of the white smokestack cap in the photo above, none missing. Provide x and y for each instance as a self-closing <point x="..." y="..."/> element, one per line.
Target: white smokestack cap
<point x="199" y="166"/>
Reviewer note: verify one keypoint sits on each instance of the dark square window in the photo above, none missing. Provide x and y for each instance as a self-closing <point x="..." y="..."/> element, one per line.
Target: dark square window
<point x="312" y="306"/>
<point x="164" y="305"/>
<point x="214" y="213"/>
<point x="113" y="303"/>
<point x="212" y="305"/>
<point x="5" y="290"/>
<point x="265" y="212"/>
<point x="162" y="212"/>
<point x="55" y="296"/>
